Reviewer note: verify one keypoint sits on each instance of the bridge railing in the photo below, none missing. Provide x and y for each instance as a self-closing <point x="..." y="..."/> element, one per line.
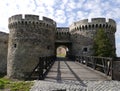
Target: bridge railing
<point x="42" y="68"/>
<point x="102" y="64"/>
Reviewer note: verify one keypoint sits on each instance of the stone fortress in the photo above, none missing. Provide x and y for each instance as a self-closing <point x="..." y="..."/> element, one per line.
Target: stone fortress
<point x="31" y="38"/>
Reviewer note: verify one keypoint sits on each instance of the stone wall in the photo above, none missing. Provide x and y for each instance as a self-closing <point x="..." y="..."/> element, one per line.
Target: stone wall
<point x="3" y="52"/>
<point x="29" y="39"/>
<point x="83" y="33"/>
<point x="62" y="34"/>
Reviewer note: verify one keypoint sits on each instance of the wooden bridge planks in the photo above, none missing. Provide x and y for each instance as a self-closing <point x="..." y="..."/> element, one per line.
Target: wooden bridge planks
<point x="68" y="70"/>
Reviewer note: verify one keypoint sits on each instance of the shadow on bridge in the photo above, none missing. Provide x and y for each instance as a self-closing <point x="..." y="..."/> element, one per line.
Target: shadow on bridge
<point x="59" y="73"/>
<point x="67" y="70"/>
<point x="63" y="66"/>
<point x="75" y="75"/>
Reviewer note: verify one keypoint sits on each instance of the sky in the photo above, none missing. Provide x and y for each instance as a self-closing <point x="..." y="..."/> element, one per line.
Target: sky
<point x="64" y="12"/>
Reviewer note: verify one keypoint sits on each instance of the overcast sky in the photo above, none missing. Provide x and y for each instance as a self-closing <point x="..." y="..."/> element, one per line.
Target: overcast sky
<point x="64" y="12"/>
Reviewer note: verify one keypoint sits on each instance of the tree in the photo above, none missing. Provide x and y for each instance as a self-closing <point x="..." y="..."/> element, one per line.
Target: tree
<point x="102" y="45"/>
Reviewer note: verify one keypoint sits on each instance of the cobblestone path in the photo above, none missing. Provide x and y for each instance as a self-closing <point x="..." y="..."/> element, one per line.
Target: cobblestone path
<point x="76" y="86"/>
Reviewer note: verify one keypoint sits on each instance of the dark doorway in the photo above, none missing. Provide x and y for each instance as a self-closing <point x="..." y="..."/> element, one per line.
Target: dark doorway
<point x="63" y="49"/>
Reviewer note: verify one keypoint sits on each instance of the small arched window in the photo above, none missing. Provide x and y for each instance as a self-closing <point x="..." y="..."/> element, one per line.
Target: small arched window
<point x="85" y="49"/>
<point x="48" y="47"/>
<point x="15" y="45"/>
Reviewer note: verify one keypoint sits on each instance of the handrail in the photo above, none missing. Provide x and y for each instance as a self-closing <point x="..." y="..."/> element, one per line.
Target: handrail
<point x="42" y="68"/>
<point x="102" y="64"/>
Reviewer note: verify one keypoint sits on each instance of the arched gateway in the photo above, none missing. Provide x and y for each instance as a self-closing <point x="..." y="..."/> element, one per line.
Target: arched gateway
<point x="63" y="39"/>
<point x="31" y="38"/>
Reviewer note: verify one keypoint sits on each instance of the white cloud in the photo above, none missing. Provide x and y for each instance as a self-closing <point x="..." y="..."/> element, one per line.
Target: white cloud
<point x="70" y="18"/>
<point x="60" y="16"/>
<point x="71" y="5"/>
<point x="80" y="15"/>
<point x="65" y="1"/>
<point x="48" y="2"/>
<point x="62" y="6"/>
<point x="118" y="31"/>
<point x="63" y="11"/>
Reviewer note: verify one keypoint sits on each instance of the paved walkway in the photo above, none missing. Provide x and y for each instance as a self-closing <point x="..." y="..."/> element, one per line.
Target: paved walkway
<point x="70" y="76"/>
<point x="76" y="86"/>
<point x="64" y="69"/>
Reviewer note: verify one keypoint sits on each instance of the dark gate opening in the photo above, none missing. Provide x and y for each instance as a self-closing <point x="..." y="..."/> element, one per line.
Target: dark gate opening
<point x="63" y="49"/>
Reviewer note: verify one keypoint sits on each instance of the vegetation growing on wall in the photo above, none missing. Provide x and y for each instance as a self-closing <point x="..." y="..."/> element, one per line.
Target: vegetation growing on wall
<point x="102" y="45"/>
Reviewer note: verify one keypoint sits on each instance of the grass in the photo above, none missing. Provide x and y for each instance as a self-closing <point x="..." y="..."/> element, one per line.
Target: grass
<point x="61" y="55"/>
<point x="21" y="86"/>
<point x="6" y="83"/>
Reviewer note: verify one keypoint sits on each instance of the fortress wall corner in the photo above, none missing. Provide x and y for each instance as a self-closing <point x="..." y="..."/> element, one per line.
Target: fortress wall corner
<point x="29" y="39"/>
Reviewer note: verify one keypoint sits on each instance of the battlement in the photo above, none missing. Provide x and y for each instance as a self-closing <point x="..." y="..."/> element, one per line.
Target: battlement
<point x="27" y="19"/>
<point x="62" y="33"/>
<point x="62" y="29"/>
<point x="31" y="17"/>
<point x="94" y="23"/>
<point x="21" y="17"/>
<point x="49" y="20"/>
<point x="112" y="22"/>
<point x="94" y="20"/>
<point x="97" y="20"/>
<point x="81" y="22"/>
<point x="15" y="17"/>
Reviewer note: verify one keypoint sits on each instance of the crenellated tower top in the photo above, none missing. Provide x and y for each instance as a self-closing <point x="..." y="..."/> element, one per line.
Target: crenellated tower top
<point x="31" y="19"/>
<point x="93" y="23"/>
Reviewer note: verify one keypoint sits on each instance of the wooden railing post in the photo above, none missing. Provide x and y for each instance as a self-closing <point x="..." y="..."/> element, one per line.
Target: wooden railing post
<point x="41" y="67"/>
<point x="102" y="64"/>
<point x="94" y="63"/>
<point x="79" y="59"/>
<point x="112" y="69"/>
<point x="86" y="60"/>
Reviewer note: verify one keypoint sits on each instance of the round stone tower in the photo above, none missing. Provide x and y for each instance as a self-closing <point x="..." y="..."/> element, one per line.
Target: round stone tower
<point x="29" y="39"/>
<point x="83" y="32"/>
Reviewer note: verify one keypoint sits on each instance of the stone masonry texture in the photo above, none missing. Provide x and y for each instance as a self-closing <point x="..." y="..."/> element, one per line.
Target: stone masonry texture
<point x="3" y="52"/>
<point x="31" y="38"/>
<point x="76" y="86"/>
